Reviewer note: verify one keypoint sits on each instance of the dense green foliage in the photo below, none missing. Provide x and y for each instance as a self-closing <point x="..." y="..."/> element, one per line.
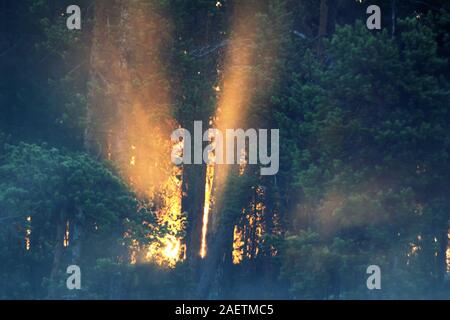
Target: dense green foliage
<point x="369" y="146"/>
<point x="43" y="191"/>
<point x="364" y="179"/>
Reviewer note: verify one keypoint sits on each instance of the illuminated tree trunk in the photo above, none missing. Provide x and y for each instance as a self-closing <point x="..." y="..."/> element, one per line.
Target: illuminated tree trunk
<point x="192" y="205"/>
<point x="443" y="266"/>
<point x="216" y="271"/>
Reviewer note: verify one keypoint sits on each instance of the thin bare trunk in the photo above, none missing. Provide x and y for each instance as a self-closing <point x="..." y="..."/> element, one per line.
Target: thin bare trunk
<point x="323" y="25"/>
<point x="393" y="17"/>
<point x="57" y="255"/>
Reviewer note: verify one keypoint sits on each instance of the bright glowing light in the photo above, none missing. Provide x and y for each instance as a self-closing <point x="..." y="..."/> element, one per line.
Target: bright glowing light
<point x="413" y="249"/>
<point x="138" y="127"/>
<point x="168" y="250"/>
<point x="66" y="235"/>
<point x="447" y="253"/>
<point x="172" y="248"/>
<point x="206" y="208"/>
<point x="28" y="235"/>
<point x="238" y="245"/>
<point x="237" y="91"/>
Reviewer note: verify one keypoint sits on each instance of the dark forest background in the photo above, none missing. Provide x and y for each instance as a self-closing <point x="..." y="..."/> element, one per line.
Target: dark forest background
<point x="364" y="178"/>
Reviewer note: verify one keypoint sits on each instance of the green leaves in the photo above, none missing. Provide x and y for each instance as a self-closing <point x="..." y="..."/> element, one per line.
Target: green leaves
<point x="42" y="189"/>
<point x="368" y="134"/>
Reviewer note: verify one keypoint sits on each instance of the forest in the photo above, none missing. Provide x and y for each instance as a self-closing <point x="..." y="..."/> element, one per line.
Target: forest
<point x="86" y="177"/>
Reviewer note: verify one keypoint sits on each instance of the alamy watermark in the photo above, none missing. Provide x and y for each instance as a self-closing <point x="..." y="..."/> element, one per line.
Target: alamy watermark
<point x="73" y="22"/>
<point x="229" y="147"/>
<point x="373" y="22"/>
<point x="374" y="280"/>
<point x="73" y="282"/>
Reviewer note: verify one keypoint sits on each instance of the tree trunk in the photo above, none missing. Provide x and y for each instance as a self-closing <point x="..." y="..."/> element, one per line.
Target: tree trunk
<point x="57" y="255"/>
<point x="444" y="243"/>
<point x="323" y="26"/>
<point x="192" y="205"/>
<point x="217" y="265"/>
<point x="99" y="115"/>
<point x="393" y="16"/>
<point x="323" y="22"/>
<point x="215" y="271"/>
